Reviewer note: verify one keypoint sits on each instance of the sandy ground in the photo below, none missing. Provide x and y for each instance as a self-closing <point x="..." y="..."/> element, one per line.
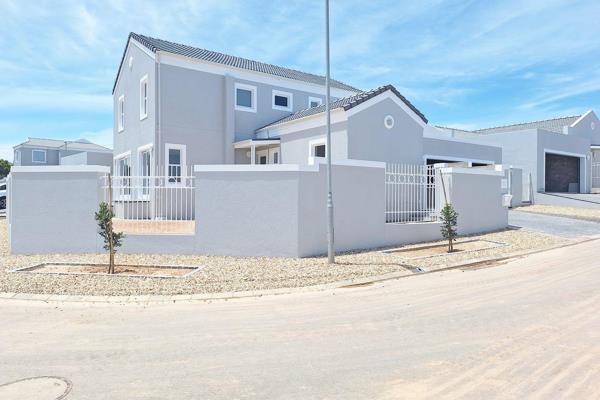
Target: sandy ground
<point x="588" y="214"/>
<point x="137" y="270"/>
<point x="526" y="330"/>
<point x="442" y="249"/>
<point x="227" y="274"/>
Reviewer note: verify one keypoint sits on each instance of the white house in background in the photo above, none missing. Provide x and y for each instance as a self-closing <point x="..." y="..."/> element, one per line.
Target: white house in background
<point x="560" y="154"/>
<point x="40" y="152"/>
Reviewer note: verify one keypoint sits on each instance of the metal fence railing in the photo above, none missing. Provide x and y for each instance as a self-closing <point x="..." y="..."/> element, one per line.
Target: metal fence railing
<point x="410" y="193"/>
<point x="152" y="204"/>
<point x="596" y="175"/>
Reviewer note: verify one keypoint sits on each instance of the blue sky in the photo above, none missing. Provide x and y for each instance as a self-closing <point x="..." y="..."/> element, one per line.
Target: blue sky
<point x="462" y="63"/>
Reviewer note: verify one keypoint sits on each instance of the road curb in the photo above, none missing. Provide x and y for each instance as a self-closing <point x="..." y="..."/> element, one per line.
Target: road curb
<point x="207" y="297"/>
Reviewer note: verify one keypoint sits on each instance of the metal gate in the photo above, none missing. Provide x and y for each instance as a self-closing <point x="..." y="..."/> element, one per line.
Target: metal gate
<point x="152" y="204"/>
<point x="410" y="193"/>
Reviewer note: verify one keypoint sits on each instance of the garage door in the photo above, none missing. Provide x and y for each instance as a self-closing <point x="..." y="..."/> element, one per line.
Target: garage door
<point x="562" y="173"/>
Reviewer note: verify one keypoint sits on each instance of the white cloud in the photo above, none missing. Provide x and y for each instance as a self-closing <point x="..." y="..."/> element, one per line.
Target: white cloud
<point x="53" y="99"/>
<point x="102" y="137"/>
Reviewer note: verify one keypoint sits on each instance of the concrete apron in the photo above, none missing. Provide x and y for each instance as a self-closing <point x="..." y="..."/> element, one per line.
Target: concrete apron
<point x="206" y="297"/>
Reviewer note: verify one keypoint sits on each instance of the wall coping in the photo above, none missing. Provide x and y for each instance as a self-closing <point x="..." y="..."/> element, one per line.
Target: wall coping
<point x="60" y="168"/>
<point x="255" y="168"/>
<point x="471" y="171"/>
<point x="284" y="167"/>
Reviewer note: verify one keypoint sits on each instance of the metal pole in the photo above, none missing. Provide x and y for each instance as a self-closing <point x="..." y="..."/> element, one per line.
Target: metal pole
<point x="330" y="235"/>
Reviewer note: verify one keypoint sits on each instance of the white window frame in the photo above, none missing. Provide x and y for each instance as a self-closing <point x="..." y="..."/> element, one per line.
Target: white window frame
<point x="311" y="149"/>
<point x="17" y="156"/>
<point x="317" y="99"/>
<point x="140" y="160"/>
<point x="254" y="98"/>
<point x="123" y="195"/>
<point x="183" y="164"/>
<point x="39" y="151"/>
<point x="144" y="99"/>
<point x="288" y="95"/>
<point x="121" y="113"/>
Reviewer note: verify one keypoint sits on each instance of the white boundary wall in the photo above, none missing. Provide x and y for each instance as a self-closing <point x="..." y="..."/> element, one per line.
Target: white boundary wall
<point x="260" y="210"/>
<point x="51" y="209"/>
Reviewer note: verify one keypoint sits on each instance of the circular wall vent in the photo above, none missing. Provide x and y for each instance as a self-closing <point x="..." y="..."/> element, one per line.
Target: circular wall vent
<point x="388" y="121"/>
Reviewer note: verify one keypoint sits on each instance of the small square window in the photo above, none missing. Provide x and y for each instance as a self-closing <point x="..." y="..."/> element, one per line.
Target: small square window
<point x="245" y="97"/>
<point x="38" y="156"/>
<point x="320" y="150"/>
<point x="282" y="100"/>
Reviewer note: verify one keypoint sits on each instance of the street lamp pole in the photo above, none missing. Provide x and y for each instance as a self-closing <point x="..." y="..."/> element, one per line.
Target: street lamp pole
<point x="330" y="235"/>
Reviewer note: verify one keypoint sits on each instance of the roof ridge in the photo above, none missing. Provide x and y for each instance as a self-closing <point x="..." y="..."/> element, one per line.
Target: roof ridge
<point x="528" y="122"/>
<point x="347" y="103"/>
<point x="152" y="44"/>
<point x="243" y="58"/>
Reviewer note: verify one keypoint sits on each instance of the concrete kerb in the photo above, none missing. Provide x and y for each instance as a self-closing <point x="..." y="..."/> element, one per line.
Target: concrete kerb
<point x="207" y="297"/>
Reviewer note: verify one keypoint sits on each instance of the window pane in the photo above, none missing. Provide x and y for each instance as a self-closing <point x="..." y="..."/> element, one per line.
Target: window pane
<point x="244" y="98"/>
<point x="320" y="150"/>
<point x="281" y="101"/>
<point x="276" y="158"/>
<point x="263" y="160"/>
<point x="38" y="156"/>
<point x="174" y="156"/>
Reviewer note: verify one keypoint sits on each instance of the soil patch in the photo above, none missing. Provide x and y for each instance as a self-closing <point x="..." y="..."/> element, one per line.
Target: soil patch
<point x="442" y="249"/>
<point x="154" y="227"/>
<point x="147" y="271"/>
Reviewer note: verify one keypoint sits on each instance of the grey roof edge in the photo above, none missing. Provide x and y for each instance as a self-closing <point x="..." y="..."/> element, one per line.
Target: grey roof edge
<point x="520" y="124"/>
<point x="146" y="42"/>
<point x="347" y="103"/>
<point x="100" y="148"/>
<point x="529" y="122"/>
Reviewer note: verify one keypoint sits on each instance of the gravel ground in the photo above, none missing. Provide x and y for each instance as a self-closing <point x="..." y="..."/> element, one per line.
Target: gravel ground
<point x="227" y="274"/>
<point x="588" y="214"/>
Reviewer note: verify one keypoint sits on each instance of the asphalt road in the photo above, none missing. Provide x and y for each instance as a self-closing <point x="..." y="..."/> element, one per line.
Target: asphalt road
<point x="569" y="228"/>
<point x="526" y="329"/>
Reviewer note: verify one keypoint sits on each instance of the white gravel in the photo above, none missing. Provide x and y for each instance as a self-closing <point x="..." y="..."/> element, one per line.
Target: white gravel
<point x="227" y="274"/>
<point x="588" y="214"/>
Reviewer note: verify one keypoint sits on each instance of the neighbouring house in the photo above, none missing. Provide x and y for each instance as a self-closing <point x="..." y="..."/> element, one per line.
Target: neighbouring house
<point x="40" y="152"/>
<point x="560" y="154"/>
<point x="177" y="106"/>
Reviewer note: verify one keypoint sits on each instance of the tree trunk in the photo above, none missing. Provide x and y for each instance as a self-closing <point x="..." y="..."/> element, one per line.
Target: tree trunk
<point x="450" y="246"/>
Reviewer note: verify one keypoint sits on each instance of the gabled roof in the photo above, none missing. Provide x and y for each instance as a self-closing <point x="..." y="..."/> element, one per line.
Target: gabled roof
<point x="155" y="45"/>
<point x="347" y="103"/>
<point x="81" y="144"/>
<point x="553" y="125"/>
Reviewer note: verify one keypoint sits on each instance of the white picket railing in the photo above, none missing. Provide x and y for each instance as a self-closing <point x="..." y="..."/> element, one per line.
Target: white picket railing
<point x="596" y="175"/>
<point x="152" y="204"/>
<point x="410" y="193"/>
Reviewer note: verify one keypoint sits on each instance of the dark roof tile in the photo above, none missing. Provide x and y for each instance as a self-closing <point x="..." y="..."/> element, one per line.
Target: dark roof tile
<point x="347" y="103"/>
<point x="155" y="45"/>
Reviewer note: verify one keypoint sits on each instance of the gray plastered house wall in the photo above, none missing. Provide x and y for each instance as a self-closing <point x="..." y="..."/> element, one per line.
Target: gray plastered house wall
<point x="192" y="102"/>
<point x="527" y="148"/>
<point x="59" y="152"/>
